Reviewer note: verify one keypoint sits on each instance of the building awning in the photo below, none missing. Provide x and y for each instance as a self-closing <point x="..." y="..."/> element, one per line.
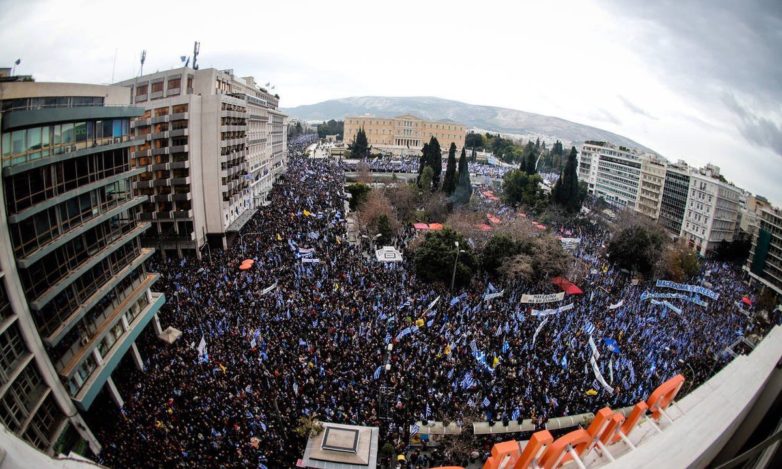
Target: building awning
<point x="242" y="220"/>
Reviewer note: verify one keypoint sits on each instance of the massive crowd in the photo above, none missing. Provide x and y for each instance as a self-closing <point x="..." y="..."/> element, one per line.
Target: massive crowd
<point x="410" y="165"/>
<point x="305" y="332"/>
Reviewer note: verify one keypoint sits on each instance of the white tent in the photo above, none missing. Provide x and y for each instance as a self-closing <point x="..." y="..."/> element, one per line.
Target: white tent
<point x="388" y="254"/>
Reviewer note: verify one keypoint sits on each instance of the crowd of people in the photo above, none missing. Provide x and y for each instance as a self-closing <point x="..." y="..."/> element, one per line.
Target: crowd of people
<point x="305" y="332"/>
<point x="410" y="165"/>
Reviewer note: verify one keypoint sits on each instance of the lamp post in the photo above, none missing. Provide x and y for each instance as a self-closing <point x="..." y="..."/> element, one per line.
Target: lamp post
<point x="455" y="261"/>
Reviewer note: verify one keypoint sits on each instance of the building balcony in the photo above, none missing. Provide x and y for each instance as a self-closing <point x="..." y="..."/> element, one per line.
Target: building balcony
<point x="161" y="198"/>
<point x="236" y="114"/>
<point x="97" y="379"/>
<point x="147" y="216"/>
<point x="55" y="337"/>
<point x="179" y="132"/>
<point x="233" y="128"/>
<point x="144" y="184"/>
<point x="77" y="272"/>
<point x="141" y="98"/>
<point x="160" y="167"/>
<point x="162" y="182"/>
<point x="182" y="197"/>
<point x="160" y="151"/>
<point x="31" y="258"/>
<point x="180" y="164"/>
<point x="182" y="214"/>
<point x="160" y="119"/>
<point x="158" y="135"/>
<point x="173" y="92"/>
<point x="141" y="153"/>
<point x="178" y="116"/>
<point x="178" y="149"/>
<point x="58" y="199"/>
<point x="180" y="181"/>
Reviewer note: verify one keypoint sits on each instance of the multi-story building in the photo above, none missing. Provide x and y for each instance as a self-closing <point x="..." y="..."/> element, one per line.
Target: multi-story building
<point x="76" y="294"/>
<point x="673" y="203"/>
<point x="611" y="172"/>
<point x="751" y="213"/>
<point x="214" y="144"/>
<point x="405" y="133"/>
<point x="712" y="211"/>
<point x="650" y="191"/>
<point x="765" y="258"/>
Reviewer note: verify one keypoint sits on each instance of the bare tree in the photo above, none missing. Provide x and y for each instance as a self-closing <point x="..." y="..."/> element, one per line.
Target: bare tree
<point x="364" y="175"/>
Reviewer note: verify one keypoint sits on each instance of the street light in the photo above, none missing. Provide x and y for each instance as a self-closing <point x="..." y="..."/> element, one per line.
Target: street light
<point x="453" y="276"/>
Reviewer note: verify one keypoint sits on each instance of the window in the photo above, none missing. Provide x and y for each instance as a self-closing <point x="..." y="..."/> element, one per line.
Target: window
<point x="157" y="87"/>
<point x="141" y="90"/>
<point x="174" y="83"/>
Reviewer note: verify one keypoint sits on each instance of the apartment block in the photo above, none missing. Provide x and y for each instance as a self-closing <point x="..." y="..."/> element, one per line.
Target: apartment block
<point x="405" y="134"/>
<point x="214" y="144"/>
<point x="712" y="212"/>
<point x="611" y="172"/>
<point x="76" y="293"/>
<point x="765" y="258"/>
<point x="650" y="190"/>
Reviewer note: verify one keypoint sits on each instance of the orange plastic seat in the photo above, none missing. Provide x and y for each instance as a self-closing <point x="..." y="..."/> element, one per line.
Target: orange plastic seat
<point x="500" y="452"/>
<point x="661" y="397"/>
<point x="556" y="452"/>
<point x="534" y="449"/>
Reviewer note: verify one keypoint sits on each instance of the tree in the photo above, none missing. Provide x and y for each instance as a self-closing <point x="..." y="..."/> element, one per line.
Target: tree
<point x="364" y="174"/>
<point x="425" y="179"/>
<point x="377" y="216"/>
<point x="435" y="161"/>
<point x="679" y="263"/>
<point x="385" y="230"/>
<point x="529" y="158"/>
<point x="567" y="192"/>
<point x="359" y="148"/>
<point x="473" y="156"/>
<point x="473" y="140"/>
<point x="358" y="194"/>
<point x="449" y="181"/>
<point x="435" y="256"/>
<point x="520" y="188"/>
<point x="463" y="190"/>
<point x="331" y="127"/>
<point x="404" y="199"/>
<point x="496" y="250"/>
<point x="637" y="247"/>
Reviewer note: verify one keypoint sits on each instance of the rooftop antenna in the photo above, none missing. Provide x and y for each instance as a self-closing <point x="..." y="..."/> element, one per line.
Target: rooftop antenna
<point x="196" y="49"/>
<point x="17" y="62"/>
<point x="143" y="58"/>
<point x="114" y="66"/>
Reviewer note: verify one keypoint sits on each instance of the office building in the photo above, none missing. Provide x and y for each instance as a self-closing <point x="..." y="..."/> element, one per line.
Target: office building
<point x="75" y="292"/>
<point x="611" y="172"/>
<point x="765" y="258"/>
<point x="712" y="211"/>
<point x="405" y="134"/>
<point x="673" y="203"/>
<point x="214" y="144"/>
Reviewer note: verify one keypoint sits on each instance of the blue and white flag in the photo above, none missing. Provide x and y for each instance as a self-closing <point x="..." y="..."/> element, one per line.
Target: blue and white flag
<point x="589" y="328"/>
<point x="414" y="429"/>
<point x="612" y="345"/>
<point x="486" y="402"/>
<point x="378" y="371"/>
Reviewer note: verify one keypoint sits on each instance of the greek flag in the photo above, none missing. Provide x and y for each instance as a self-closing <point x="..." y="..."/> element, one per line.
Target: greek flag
<point x="428" y="410"/>
<point x="414" y="429"/>
<point x="516" y="414"/>
<point x="378" y="371"/>
<point x="486" y="402"/>
<point x="589" y="328"/>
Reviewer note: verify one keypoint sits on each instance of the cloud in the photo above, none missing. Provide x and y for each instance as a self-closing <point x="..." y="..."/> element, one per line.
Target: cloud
<point x="602" y="115"/>
<point x="757" y="129"/>
<point x="629" y="105"/>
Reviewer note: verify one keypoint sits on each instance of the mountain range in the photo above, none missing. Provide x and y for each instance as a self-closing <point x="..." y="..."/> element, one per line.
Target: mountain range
<point x="486" y="118"/>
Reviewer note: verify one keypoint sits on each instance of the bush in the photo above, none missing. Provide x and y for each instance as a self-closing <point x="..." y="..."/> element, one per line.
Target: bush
<point x="637" y="248"/>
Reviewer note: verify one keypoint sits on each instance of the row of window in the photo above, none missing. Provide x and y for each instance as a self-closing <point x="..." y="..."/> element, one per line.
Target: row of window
<point x="20" y="146"/>
<point x="28" y="104"/>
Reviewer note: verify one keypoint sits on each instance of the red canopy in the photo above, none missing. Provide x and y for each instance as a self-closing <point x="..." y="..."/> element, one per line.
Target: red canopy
<point x="493" y="219"/>
<point x="245" y="267"/>
<point x="435" y="226"/>
<point x="484" y="227"/>
<point x="746" y="301"/>
<point x="539" y="226"/>
<point x="567" y="286"/>
<point x="420" y="226"/>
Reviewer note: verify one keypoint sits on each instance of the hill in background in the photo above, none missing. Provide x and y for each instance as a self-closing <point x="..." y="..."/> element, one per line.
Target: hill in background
<point x="488" y="118"/>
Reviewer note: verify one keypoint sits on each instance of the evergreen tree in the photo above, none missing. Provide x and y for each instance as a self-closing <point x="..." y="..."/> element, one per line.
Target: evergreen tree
<point x="473" y="156"/>
<point x="359" y="148"/>
<point x="435" y="161"/>
<point x="529" y="159"/>
<point x="463" y="191"/>
<point x="449" y="181"/>
<point x="567" y="191"/>
<point x="423" y="162"/>
<point x="537" y="143"/>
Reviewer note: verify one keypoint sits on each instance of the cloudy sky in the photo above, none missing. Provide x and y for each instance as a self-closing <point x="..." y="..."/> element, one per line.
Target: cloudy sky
<point x="694" y="80"/>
